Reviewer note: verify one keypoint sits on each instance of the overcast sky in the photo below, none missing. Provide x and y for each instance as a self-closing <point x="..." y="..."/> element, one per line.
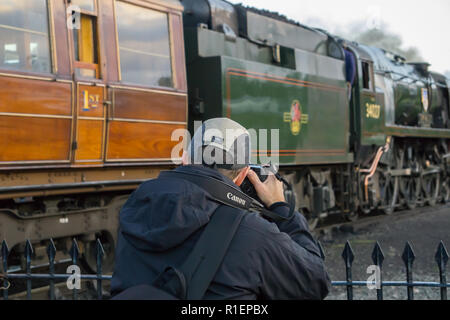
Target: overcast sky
<point x="421" y="24"/>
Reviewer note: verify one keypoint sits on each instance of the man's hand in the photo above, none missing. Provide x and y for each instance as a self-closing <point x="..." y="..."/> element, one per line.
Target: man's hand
<point x="269" y="191"/>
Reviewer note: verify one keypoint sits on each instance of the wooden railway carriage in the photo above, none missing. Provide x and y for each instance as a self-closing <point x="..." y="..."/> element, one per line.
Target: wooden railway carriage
<point x="90" y="92"/>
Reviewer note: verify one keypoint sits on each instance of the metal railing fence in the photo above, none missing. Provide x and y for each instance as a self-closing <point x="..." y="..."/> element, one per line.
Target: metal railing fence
<point x="52" y="276"/>
<point x="408" y="257"/>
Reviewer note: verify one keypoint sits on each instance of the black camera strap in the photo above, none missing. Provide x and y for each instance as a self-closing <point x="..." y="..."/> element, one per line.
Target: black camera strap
<point x="226" y="194"/>
<point x="206" y="257"/>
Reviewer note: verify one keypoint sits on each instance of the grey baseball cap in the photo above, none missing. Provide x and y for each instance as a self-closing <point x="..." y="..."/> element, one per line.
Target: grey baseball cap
<point x="221" y="143"/>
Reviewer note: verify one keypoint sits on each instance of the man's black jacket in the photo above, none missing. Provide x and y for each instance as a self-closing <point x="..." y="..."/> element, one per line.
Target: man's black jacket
<point x="162" y="220"/>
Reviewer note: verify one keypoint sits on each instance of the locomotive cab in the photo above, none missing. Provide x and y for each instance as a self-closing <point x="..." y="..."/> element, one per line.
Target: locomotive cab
<point x="440" y="101"/>
<point x="368" y="106"/>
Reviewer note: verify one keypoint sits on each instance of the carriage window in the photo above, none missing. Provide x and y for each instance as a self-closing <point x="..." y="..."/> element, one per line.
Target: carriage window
<point x="86" y="47"/>
<point x="144" y="46"/>
<point x="24" y="41"/>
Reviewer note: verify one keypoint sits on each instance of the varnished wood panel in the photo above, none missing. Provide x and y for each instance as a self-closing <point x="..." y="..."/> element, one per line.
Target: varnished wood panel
<point x="179" y="57"/>
<point x="140" y="140"/>
<point x="34" y="139"/>
<point x="93" y="107"/>
<point x="61" y="37"/>
<point x="35" y="96"/>
<point x="129" y="104"/>
<point x="90" y="137"/>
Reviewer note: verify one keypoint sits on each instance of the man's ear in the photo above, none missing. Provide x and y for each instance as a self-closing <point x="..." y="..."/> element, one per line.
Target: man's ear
<point x="241" y="176"/>
<point x="185" y="158"/>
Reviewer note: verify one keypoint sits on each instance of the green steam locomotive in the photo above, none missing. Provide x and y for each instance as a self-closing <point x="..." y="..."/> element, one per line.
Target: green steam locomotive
<point x="360" y="129"/>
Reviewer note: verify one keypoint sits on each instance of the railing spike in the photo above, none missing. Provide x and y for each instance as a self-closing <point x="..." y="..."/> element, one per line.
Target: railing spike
<point x="51" y="250"/>
<point x="74" y="250"/>
<point x="28" y="253"/>
<point x="348" y="257"/>
<point x="441" y="256"/>
<point x="5" y="249"/>
<point x="100" y="250"/>
<point x="377" y="255"/>
<point x="377" y="259"/>
<point x="100" y="255"/>
<point x="348" y="254"/>
<point x="408" y="255"/>
<point x="51" y="253"/>
<point x="322" y="254"/>
<point x="6" y="284"/>
<point x="29" y="248"/>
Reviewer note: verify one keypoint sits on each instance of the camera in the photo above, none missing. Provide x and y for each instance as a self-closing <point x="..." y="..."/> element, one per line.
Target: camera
<point x="262" y="171"/>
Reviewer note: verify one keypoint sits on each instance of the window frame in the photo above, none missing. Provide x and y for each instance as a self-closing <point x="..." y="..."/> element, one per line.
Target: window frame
<point x="85" y="65"/>
<point x="168" y="13"/>
<point x="52" y="53"/>
<point x="371" y="76"/>
<point x="87" y="12"/>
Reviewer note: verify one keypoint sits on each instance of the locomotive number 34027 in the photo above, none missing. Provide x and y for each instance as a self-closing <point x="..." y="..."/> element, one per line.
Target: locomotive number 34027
<point x="373" y="110"/>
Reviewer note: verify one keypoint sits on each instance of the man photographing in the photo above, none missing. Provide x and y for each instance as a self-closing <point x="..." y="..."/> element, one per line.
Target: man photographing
<point x="164" y="218"/>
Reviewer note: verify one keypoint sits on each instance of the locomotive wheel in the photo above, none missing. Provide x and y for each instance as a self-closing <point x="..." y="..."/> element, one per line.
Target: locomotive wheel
<point x="410" y="185"/>
<point x="388" y="187"/>
<point x="352" y="212"/>
<point x="445" y="191"/>
<point x="431" y="187"/>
